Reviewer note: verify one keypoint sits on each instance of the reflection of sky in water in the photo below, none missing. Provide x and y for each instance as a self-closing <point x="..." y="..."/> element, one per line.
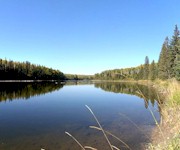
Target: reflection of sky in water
<point x="40" y="119"/>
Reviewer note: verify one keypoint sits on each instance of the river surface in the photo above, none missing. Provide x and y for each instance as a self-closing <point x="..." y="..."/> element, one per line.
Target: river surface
<point x="36" y="115"/>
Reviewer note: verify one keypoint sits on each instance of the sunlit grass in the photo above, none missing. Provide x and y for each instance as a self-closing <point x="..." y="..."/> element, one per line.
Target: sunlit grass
<point x="170" y="111"/>
<point x="174" y="93"/>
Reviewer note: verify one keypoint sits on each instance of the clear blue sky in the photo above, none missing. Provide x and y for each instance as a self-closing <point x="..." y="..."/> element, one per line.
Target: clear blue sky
<point x="85" y="36"/>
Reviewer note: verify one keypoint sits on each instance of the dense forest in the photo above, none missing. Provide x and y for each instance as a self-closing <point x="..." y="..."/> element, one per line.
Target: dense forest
<point x="168" y="65"/>
<point x="79" y="77"/>
<point x="10" y="70"/>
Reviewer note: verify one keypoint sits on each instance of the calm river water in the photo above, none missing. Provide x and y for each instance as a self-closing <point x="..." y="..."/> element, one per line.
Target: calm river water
<point x="36" y="115"/>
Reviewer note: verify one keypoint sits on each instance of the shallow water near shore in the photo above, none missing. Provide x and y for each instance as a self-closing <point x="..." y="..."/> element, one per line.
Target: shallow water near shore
<point x="36" y="115"/>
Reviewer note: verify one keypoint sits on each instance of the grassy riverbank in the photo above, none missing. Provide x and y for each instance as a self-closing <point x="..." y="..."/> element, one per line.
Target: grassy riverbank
<point x="167" y="134"/>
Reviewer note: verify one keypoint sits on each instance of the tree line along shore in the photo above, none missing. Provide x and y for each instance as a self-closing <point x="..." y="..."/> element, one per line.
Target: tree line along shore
<point x="167" y="67"/>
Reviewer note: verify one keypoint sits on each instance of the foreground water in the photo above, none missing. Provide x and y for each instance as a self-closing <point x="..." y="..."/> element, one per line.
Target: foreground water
<point x="35" y="116"/>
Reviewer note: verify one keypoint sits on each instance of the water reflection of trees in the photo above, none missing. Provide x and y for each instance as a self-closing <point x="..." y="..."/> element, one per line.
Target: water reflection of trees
<point x="78" y="82"/>
<point x="146" y="92"/>
<point x="10" y="91"/>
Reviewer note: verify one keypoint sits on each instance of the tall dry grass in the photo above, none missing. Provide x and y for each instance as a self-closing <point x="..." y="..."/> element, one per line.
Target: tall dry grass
<point x="170" y="111"/>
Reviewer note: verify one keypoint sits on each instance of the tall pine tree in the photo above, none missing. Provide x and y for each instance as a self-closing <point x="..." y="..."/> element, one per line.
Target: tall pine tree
<point x="177" y="61"/>
<point x="163" y="63"/>
<point x="140" y="75"/>
<point x="177" y="67"/>
<point x="146" y="68"/>
<point x="174" y="50"/>
<point x="152" y="71"/>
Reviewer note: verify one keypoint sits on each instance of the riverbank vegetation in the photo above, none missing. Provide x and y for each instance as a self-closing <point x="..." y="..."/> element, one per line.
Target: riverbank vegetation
<point x="167" y="136"/>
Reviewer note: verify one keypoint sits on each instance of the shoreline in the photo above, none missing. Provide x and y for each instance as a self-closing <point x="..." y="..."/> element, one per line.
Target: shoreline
<point x="28" y="81"/>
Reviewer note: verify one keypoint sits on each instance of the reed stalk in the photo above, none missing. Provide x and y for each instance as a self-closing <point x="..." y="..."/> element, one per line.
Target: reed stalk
<point x="154" y="118"/>
<point x="134" y="124"/>
<point x="111" y="147"/>
<point x="109" y="133"/>
<point x="89" y="147"/>
<point x="75" y="140"/>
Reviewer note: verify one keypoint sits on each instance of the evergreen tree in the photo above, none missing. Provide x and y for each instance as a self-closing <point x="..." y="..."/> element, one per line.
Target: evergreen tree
<point x="152" y="71"/>
<point x="141" y="73"/>
<point x="146" y="68"/>
<point x="177" y="67"/>
<point x="174" y="50"/>
<point x="163" y="63"/>
<point x="177" y="61"/>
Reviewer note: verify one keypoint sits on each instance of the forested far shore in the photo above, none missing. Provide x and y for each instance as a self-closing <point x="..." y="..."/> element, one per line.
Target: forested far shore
<point x="11" y="70"/>
<point x="167" y="67"/>
<point x="79" y="77"/>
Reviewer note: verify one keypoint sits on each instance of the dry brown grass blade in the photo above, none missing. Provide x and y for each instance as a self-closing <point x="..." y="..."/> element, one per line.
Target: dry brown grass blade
<point x="134" y="124"/>
<point x="115" y="147"/>
<point x="75" y="140"/>
<point x="100" y="127"/>
<point x="89" y="147"/>
<point x="109" y="133"/>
